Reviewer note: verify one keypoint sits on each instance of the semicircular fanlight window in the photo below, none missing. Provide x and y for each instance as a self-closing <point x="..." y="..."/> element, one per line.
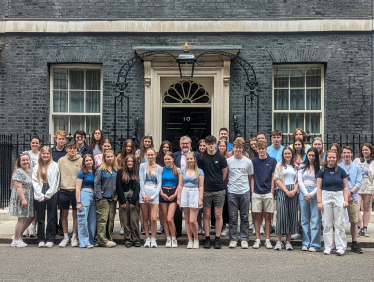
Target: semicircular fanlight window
<point x="187" y="92"/>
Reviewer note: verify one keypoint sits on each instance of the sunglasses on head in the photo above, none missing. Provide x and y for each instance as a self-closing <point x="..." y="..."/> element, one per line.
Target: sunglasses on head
<point x="317" y="138"/>
<point x="108" y="150"/>
<point x="147" y="135"/>
<point x="25" y="153"/>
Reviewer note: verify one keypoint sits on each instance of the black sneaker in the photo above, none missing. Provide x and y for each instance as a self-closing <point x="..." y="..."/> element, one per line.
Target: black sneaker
<point x="142" y="230"/>
<point x="364" y="232"/>
<point x="356" y="249"/>
<point x="161" y="230"/>
<point x="128" y="245"/>
<point x="207" y="244"/>
<point x="217" y="244"/>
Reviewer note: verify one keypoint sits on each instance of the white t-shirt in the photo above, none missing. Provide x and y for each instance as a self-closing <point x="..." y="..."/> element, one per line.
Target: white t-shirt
<point x="238" y="171"/>
<point x="33" y="159"/>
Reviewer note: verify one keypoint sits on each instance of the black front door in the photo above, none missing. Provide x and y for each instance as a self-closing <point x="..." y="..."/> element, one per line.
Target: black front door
<point x="177" y="122"/>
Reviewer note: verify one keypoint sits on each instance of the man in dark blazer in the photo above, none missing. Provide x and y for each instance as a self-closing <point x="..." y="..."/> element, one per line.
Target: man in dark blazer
<point x="180" y="161"/>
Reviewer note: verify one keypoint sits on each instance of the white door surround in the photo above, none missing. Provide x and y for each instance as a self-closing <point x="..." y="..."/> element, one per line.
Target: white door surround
<point x="157" y="69"/>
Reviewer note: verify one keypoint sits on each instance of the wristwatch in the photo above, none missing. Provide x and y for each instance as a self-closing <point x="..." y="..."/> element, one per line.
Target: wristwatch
<point x="351" y="193"/>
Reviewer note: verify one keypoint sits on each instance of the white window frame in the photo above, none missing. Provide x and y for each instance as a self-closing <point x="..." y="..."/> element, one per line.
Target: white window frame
<point x="52" y="114"/>
<point x="289" y="97"/>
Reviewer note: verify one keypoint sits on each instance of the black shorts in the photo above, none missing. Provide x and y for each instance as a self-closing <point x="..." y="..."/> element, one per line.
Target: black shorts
<point x="168" y="192"/>
<point x="67" y="198"/>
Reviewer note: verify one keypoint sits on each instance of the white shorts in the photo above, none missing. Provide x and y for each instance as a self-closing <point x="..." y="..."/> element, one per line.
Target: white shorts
<point x="150" y="191"/>
<point x="190" y="198"/>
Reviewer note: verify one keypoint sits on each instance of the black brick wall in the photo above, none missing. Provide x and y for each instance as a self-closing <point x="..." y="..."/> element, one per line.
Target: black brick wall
<point x="178" y="9"/>
<point x="25" y="60"/>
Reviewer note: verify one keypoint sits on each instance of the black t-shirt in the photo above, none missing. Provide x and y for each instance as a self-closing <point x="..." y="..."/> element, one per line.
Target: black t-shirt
<point x="331" y="180"/>
<point x="212" y="166"/>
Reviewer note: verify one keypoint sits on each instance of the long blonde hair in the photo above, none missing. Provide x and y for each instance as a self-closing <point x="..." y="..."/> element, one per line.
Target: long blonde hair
<point x="103" y="165"/>
<point x="41" y="162"/>
<point x="196" y="169"/>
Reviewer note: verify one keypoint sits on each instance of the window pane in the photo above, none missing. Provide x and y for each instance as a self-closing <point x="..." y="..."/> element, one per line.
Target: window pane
<point x="313" y="123"/>
<point x="280" y="122"/>
<point x="313" y="77"/>
<point x="93" y="79"/>
<point x="92" y="102"/>
<point x="76" y="101"/>
<point x="92" y="122"/>
<point x="280" y="77"/>
<point x="60" y="78"/>
<point x="60" y="101"/>
<point x="296" y="121"/>
<point x="297" y="77"/>
<point x="76" y="78"/>
<point x="76" y="122"/>
<point x="297" y="99"/>
<point x="60" y="123"/>
<point x="281" y="99"/>
<point x="313" y="99"/>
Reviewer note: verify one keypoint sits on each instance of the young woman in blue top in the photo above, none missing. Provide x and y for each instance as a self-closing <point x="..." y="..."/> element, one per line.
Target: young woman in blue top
<point x="332" y="198"/>
<point x="190" y="197"/>
<point x="150" y="178"/>
<point x="168" y="199"/>
<point x="86" y="206"/>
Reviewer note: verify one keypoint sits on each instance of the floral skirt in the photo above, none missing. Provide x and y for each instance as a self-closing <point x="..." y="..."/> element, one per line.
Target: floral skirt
<point x="15" y="204"/>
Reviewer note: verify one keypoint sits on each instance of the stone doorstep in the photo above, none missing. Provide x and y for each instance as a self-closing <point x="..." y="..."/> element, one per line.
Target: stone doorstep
<point x="364" y="242"/>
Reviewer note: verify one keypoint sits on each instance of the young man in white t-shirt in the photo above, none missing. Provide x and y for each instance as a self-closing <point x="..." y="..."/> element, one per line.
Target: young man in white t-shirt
<point x="240" y="170"/>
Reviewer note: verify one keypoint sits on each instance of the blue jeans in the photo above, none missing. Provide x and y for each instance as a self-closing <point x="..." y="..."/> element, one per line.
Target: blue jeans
<point x="87" y="219"/>
<point x="310" y="220"/>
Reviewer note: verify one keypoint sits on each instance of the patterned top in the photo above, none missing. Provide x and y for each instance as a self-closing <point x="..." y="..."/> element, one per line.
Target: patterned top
<point x="15" y="204"/>
<point x="151" y="178"/>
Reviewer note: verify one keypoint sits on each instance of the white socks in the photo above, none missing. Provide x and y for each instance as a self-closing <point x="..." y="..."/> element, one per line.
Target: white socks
<point x="74" y="235"/>
<point x="174" y="238"/>
<point x="168" y="238"/>
<point x="267" y="240"/>
<point x="66" y="235"/>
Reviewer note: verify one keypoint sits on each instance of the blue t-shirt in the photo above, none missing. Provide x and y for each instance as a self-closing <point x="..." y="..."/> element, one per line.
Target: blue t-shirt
<point x="190" y="181"/>
<point x="88" y="179"/>
<point x="275" y="153"/>
<point x="331" y="180"/>
<point x="168" y="178"/>
<point x="262" y="171"/>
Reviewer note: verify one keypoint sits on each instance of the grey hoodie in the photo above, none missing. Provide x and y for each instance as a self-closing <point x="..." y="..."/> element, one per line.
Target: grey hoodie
<point x="105" y="185"/>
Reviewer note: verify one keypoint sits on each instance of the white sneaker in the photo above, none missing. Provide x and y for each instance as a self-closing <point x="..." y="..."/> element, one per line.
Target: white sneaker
<point x="233" y="244"/>
<point x="168" y="243"/>
<point x="26" y="233"/>
<point x="110" y="244"/>
<point x="74" y="242"/>
<point x="256" y="244"/>
<point x="13" y="244"/>
<point x="174" y="243"/>
<point x="64" y="243"/>
<point x="49" y="244"/>
<point x="121" y="231"/>
<point x="90" y="246"/>
<point x="312" y="250"/>
<point x="32" y="232"/>
<point x="153" y="243"/>
<point x="225" y="232"/>
<point x="304" y="248"/>
<point x="20" y="244"/>
<point x="195" y="244"/>
<point x="327" y="252"/>
<point x="268" y="245"/>
<point x="254" y="231"/>
<point x="147" y="243"/>
<point x="201" y="231"/>
<point x="251" y="226"/>
<point x="190" y="245"/>
<point x="296" y="237"/>
<point x="340" y="252"/>
<point x="244" y="244"/>
<point x="262" y="231"/>
<point x="41" y="244"/>
<point x="278" y="246"/>
<point x="288" y="246"/>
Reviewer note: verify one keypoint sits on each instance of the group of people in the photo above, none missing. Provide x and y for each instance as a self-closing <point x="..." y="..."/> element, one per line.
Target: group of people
<point x="217" y="183"/>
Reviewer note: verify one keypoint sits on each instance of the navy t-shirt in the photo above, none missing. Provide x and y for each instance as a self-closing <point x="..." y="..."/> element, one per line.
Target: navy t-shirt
<point x="88" y="179"/>
<point x="262" y="172"/>
<point x="212" y="166"/>
<point x="331" y="180"/>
